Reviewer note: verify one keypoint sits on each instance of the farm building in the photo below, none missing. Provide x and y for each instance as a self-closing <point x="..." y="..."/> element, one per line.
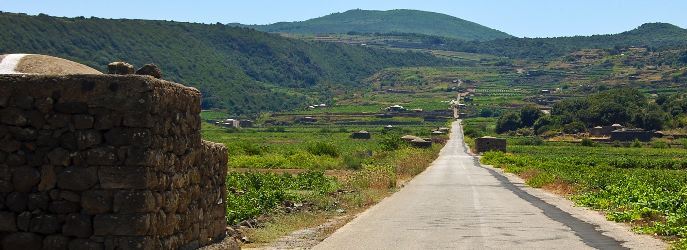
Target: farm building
<point x="631" y="135"/>
<point x="306" y="119"/>
<point x="229" y="123"/>
<point x="488" y="143"/>
<point x="361" y="135"/>
<point x="246" y="123"/>
<point x="604" y="131"/>
<point x="395" y="108"/>
<point x="421" y="143"/>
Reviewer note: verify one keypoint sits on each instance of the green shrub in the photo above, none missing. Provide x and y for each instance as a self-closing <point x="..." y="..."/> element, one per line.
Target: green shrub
<point x="323" y="148"/>
<point x="586" y="142"/>
<point x="353" y="162"/>
<point x="390" y="141"/>
<point x="660" y="144"/>
<point x="254" y="149"/>
<point x="636" y="144"/>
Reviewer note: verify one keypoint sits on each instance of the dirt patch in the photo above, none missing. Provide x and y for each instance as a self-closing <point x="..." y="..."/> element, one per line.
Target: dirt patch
<point x="561" y="188"/>
<point x="48" y="65"/>
<point x="309" y="237"/>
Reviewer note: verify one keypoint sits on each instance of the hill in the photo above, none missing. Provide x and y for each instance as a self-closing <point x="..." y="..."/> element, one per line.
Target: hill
<point x="655" y="36"/>
<point x="402" y="21"/>
<point x="240" y="69"/>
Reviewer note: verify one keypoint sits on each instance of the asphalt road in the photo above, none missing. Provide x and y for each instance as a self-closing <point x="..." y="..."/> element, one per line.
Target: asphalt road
<point x="458" y="204"/>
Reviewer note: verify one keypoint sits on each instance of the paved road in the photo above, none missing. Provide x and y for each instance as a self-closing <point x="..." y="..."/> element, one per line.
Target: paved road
<point x="457" y="204"/>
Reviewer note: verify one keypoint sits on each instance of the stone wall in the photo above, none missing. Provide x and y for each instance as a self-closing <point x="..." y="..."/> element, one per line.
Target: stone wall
<point x="485" y="144"/>
<point x="106" y="162"/>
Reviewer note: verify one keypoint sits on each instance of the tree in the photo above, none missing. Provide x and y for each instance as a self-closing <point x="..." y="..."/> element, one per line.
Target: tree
<point x="574" y="128"/>
<point x="529" y="114"/>
<point x="508" y="122"/>
<point x="540" y="126"/>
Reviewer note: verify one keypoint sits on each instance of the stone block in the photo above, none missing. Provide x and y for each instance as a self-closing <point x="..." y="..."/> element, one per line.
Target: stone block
<point x="127" y="178"/>
<point x="13" y="116"/>
<point x="22" y="240"/>
<point x="71" y="107"/>
<point x="24" y="221"/>
<point x="96" y="201"/>
<point x="17" y="202"/>
<point x="48" y="178"/>
<point x="55" y="242"/>
<point x="85" y="244"/>
<point x="8" y="222"/>
<point x="44" y="224"/>
<point x="59" y="157"/>
<point x="126" y="201"/>
<point x="63" y="207"/>
<point x="88" y="138"/>
<point x="38" y="201"/>
<point x="83" y="121"/>
<point x="25" y="179"/>
<point x="121" y="224"/>
<point x="140" y="137"/>
<point x="105" y="156"/>
<point x="77" y="179"/>
<point x="78" y="225"/>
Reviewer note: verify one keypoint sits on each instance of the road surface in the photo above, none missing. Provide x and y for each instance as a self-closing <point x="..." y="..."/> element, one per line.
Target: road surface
<point x="458" y="204"/>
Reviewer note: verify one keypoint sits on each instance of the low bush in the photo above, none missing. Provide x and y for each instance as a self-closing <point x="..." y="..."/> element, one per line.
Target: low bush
<point x="323" y="148"/>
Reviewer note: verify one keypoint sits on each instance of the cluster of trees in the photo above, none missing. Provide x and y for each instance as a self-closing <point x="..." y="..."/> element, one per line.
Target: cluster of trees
<point x="239" y="69"/>
<point x="626" y="106"/>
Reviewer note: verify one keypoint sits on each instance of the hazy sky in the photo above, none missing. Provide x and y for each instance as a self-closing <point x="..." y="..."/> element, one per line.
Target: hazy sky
<point x="530" y="18"/>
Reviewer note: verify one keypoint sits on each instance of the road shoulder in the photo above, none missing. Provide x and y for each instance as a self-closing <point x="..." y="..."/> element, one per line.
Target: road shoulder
<point x="618" y="231"/>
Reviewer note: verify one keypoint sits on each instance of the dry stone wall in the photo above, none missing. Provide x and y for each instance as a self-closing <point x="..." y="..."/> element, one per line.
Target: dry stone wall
<point x="106" y="162"/>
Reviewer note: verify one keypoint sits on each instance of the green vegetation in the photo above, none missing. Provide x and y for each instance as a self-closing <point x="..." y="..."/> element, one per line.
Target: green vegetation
<point x="239" y="69"/>
<point x="372" y="21"/>
<point x="644" y="186"/>
<point x="625" y="106"/>
<point x="251" y="194"/>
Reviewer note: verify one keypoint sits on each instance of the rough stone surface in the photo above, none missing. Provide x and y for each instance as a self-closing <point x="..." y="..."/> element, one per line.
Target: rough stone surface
<point x="22" y="240"/>
<point x="106" y="162"/>
<point x="120" y="68"/>
<point x="150" y="70"/>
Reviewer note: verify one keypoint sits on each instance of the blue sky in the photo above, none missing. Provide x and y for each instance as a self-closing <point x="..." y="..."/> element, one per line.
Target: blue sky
<point x="530" y="18"/>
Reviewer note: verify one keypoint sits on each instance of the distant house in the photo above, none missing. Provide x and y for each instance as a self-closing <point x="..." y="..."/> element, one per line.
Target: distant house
<point x="631" y="135"/>
<point x="246" y="123"/>
<point x="395" y="108"/>
<point x="604" y="131"/>
<point x="229" y="123"/>
<point x="306" y="119"/>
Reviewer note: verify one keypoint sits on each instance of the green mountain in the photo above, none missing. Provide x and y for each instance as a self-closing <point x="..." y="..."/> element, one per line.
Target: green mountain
<point x="241" y="69"/>
<point x="656" y="36"/>
<point x="401" y="21"/>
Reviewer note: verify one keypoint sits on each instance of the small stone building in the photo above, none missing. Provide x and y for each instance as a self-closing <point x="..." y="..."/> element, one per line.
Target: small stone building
<point x="604" y="131"/>
<point x="361" y="135"/>
<point x="488" y="143"/>
<point x="421" y="143"/>
<point x="631" y="135"/>
<point x="246" y="123"/>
